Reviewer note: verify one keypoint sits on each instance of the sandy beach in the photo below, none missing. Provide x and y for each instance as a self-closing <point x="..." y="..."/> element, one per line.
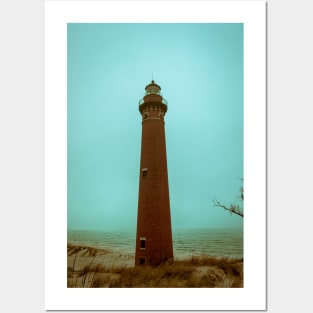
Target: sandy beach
<point x="93" y="267"/>
<point x="80" y="256"/>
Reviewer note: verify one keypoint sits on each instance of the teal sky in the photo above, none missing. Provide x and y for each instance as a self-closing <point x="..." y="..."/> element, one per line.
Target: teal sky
<point x="200" y="70"/>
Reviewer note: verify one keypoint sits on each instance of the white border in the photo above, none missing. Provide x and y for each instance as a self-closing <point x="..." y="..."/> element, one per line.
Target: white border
<point x="252" y="14"/>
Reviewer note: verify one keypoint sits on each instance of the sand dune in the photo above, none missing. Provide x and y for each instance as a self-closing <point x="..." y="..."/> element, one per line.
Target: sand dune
<point x="93" y="267"/>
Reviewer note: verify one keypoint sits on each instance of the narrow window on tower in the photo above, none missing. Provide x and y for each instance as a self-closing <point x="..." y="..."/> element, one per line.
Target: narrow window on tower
<point x="144" y="172"/>
<point x="142" y="243"/>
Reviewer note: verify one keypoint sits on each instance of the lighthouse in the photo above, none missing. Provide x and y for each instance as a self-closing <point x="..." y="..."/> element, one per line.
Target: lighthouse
<point x="154" y="231"/>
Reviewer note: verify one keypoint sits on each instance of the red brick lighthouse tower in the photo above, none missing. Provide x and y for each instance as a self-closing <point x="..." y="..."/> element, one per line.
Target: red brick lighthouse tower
<point x="154" y="231"/>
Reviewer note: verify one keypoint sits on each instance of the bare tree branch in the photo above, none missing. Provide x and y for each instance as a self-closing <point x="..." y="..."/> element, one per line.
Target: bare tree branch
<point x="232" y="208"/>
<point x="241" y="193"/>
<point x="236" y="209"/>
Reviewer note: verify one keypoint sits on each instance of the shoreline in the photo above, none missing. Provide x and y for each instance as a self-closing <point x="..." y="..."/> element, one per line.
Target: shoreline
<point x="81" y="255"/>
<point x="194" y="242"/>
<point x="89" y="267"/>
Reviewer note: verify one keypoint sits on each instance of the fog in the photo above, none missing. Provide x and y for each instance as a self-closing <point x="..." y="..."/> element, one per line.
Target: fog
<point x="200" y="70"/>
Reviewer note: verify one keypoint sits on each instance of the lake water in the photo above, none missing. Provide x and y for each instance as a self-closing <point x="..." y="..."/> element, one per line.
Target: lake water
<point x="186" y="242"/>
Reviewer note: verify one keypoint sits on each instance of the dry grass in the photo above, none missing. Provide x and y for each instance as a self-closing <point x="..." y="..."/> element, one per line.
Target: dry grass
<point x="84" y="251"/>
<point x="196" y="272"/>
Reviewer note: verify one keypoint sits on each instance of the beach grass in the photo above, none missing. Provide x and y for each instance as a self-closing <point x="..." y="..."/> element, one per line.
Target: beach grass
<point x="195" y="272"/>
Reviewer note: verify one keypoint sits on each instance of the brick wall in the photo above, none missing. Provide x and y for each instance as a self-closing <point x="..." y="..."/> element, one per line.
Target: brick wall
<point x="153" y="220"/>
